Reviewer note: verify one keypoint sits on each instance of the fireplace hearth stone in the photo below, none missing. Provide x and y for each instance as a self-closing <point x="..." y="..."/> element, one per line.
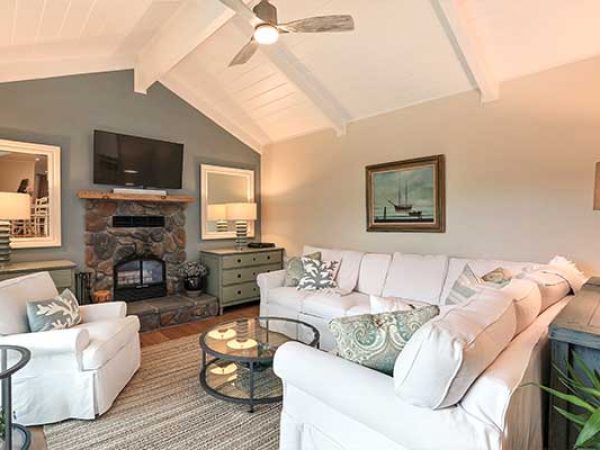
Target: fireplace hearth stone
<point x="172" y="310"/>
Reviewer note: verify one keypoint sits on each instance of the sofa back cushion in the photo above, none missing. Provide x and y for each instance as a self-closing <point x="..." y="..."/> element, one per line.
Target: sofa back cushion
<point x="528" y="301"/>
<point x="447" y="354"/>
<point x="552" y="286"/>
<point x="480" y="267"/>
<point x="346" y="273"/>
<point x="373" y="272"/>
<point x="14" y="295"/>
<point x="416" y="277"/>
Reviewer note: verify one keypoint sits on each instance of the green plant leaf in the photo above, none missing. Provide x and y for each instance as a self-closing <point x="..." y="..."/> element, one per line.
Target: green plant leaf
<point x="590" y="430"/>
<point x="579" y="419"/>
<point x="590" y="374"/>
<point x="569" y="398"/>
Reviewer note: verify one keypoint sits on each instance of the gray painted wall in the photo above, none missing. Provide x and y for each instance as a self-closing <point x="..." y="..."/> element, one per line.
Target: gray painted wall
<point x="65" y="111"/>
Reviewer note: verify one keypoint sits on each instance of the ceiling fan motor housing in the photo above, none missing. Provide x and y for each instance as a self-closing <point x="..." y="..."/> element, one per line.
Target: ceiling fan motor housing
<point x="266" y="12"/>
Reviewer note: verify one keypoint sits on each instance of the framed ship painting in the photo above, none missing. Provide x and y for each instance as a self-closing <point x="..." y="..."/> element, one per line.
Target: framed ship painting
<point x="407" y="196"/>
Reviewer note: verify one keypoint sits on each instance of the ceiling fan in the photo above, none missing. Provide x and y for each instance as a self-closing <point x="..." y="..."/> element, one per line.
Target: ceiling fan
<point x="263" y="17"/>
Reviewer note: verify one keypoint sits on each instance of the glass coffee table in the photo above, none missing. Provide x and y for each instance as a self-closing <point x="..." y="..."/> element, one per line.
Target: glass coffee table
<point x="242" y="351"/>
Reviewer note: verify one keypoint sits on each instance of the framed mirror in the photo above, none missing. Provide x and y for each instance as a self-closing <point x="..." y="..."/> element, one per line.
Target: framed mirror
<point x="220" y="185"/>
<point x="33" y="169"/>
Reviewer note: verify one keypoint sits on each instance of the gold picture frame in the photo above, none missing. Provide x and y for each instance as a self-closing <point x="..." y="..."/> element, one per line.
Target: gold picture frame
<point x="407" y="196"/>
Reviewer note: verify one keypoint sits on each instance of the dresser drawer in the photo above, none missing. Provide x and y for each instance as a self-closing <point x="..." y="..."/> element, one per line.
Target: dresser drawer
<point x="251" y="259"/>
<point x="232" y="294"/>
<point x="246" y="274"/>
<point x="62" y="278"/>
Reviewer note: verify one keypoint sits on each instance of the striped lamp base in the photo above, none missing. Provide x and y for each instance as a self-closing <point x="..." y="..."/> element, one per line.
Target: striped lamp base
<point x="241" y="234"/>
<point x="4" y="241"/>
<point x="222" y="226"/>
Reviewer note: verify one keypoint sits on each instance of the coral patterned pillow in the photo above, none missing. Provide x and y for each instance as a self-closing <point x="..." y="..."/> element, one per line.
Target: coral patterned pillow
<point x="57" y="313"/>
<point x="317" y="275"/>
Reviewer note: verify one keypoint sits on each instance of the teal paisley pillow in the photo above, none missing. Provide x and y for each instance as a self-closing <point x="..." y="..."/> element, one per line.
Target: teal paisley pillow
<point x="56" y="313"/>
<point x="295" y="269"/>
<point x="376" y="340"/>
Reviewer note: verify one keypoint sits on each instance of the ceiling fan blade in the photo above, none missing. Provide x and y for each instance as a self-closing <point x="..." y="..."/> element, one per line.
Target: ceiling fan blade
<point x="242" y="9"/>
<point x="245" y="53"/>
<point x="320" y="24"/>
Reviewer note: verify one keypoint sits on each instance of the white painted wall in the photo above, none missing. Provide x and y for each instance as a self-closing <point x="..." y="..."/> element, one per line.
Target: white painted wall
<point x="519" y="174"/>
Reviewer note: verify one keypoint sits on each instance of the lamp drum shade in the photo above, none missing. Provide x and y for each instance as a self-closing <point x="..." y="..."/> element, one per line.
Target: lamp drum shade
<point x="14" y="206"/>
<point x="241" y="211"/>
<point x="216" y="212"/>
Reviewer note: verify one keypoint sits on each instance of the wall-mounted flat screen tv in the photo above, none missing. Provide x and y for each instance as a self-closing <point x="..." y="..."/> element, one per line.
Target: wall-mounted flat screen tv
<point x="135" y="162"/>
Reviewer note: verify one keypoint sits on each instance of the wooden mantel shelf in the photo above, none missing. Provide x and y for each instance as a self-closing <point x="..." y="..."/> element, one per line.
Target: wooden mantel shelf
<point x="101" y="195"/>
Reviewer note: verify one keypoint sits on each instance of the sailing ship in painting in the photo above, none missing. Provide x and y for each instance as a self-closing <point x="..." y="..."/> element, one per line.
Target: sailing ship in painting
<point x="403" y="205"/>
<point x="404" y="208"/>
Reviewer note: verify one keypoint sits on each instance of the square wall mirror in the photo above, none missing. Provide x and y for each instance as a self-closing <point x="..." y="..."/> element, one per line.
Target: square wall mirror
<point x="220" y="185"/>
<point x="33" y="169"/>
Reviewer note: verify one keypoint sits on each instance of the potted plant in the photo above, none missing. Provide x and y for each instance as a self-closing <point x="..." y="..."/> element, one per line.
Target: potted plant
<point x="192" y="273"/>
<point x="583" y="391"/>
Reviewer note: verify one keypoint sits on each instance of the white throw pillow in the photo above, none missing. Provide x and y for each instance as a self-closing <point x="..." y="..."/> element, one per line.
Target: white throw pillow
<point x="392" y="304"/>
<point x="445" y="356"/>
<point x="527" y="299"/>
<point x="569" y="270"/>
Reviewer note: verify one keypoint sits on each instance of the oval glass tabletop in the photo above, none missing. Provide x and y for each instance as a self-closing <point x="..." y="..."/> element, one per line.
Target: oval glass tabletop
<point x="256" y="339"/>
<point x="12" y="358"/>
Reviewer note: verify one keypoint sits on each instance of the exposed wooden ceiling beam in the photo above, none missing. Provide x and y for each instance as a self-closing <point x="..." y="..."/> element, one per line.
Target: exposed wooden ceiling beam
<point x="192" y="23"/>
<point x="302" y="78"/>
<point x="206" y="102"/>
<point x="459" y="19"/>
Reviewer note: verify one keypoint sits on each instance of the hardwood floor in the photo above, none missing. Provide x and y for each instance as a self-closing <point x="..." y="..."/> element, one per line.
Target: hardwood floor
<point x="164" y="335"/>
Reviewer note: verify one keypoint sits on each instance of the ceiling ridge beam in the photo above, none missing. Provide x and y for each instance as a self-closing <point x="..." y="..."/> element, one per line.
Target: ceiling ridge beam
<point x="458" y="18"/>
<point x="256" y="139"/>
<point x="191" y="24"/>
<point x="304" y="80"/>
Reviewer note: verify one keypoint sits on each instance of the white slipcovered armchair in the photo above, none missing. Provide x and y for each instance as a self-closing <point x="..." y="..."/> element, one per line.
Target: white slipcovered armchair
<point x="73" y="373"/>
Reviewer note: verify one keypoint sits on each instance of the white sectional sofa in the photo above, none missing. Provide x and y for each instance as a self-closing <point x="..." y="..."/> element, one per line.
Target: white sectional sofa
<point x="330" y="403"/>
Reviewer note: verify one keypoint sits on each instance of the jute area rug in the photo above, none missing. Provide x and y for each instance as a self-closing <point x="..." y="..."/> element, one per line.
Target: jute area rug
<point x="164" y="407"/>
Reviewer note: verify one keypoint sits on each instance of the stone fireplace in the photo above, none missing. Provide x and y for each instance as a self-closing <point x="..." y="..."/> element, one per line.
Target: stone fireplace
<point x="131" y="245"/>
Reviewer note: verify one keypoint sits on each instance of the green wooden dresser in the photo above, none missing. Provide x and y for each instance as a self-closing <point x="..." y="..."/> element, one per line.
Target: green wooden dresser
<point x="61" y="271"/>
<point x="576" y="328"/>
<point x="232" y="273"/>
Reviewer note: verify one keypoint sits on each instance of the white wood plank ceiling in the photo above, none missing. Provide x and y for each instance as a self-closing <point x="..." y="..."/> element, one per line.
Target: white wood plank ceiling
<point x="402" y="52"/>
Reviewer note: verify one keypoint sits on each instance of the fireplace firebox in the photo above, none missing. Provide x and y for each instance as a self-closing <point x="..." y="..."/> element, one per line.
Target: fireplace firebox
<point x="139" y="278"/>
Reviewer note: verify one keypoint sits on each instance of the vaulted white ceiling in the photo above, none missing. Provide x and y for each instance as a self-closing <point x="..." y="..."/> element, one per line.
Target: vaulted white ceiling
<point x="402" y="52"/>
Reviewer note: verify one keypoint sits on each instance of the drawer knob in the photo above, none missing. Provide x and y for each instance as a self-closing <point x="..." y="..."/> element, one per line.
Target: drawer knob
<point x="253" y="259"/>
<point x="239" y="292"/>
<point x="268" y="257"/>
<point x="254" y="289"/>
<point x="254" y="273"/>
<point x="239" y="260"/>
<point x="239" y="275"/>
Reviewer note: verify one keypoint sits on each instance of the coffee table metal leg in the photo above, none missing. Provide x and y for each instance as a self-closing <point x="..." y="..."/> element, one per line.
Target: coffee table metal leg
<point x="252" y="387"/>
<point x="6" y="403"/>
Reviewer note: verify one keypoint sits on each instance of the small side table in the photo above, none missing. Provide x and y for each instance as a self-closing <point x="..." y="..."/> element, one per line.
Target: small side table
<point x="12" y="359"/>
<point x="576" y="328"/>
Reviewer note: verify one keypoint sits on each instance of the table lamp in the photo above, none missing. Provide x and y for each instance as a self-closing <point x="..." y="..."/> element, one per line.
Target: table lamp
<point x="218" y="213"/>
<point x="241" y="213"/>
<point x="13" y="206"/>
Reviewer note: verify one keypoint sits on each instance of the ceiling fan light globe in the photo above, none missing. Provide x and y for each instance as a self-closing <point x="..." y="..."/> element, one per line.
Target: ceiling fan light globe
<point x="266" y="34"/>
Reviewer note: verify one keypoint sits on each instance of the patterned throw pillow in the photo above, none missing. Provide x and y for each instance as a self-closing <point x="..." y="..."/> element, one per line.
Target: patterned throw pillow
<point x="295" y="269"/>
<point x="376" y="340"/>
<point x="499" y="276"/>
<point x="57" y="313"/>
<point x="317" y="275"/>
<point x="465" y="286"/>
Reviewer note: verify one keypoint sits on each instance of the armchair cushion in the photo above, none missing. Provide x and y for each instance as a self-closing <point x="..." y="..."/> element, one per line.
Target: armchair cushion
<point x="107" y="337"/>
<point x="14" y="295"/>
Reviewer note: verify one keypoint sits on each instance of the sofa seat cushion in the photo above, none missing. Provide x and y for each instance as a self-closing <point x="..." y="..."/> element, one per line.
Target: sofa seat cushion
<point x="107" y="337"/>
<point x="14" y="295"/>
<point x="416" y="277"/>
<point x="288" y="297"/>
<point x="329" y="305"/>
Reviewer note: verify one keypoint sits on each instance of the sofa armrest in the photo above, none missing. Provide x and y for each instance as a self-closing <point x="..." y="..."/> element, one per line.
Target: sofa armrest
<point x="355" y="391"/>
<point x="48" y="343"/>
<point x="103" y="311"/>
<point x="270" y="280"/>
